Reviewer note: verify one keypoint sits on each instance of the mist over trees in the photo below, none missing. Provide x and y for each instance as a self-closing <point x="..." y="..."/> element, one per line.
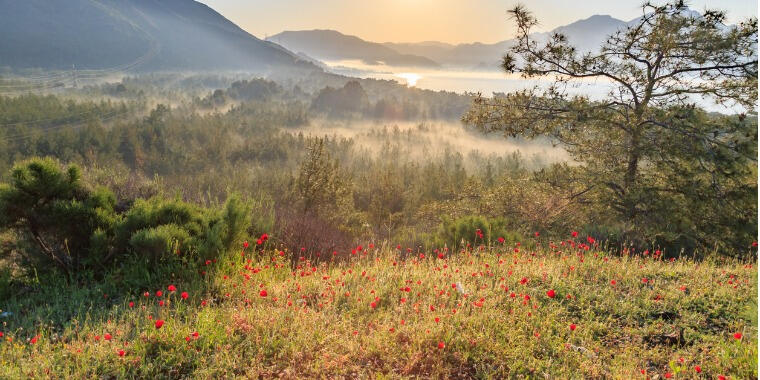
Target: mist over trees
<point x="648" y="168"/>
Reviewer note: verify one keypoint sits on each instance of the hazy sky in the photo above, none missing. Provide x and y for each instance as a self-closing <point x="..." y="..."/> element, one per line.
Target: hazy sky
<point x="452" y="21"/>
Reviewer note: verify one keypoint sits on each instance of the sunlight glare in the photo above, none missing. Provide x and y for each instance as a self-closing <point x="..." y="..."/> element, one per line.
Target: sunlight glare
<point x="411" y="78"/>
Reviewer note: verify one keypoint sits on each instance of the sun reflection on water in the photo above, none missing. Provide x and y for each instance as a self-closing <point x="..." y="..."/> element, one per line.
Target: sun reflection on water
<point x="411" y="78"/>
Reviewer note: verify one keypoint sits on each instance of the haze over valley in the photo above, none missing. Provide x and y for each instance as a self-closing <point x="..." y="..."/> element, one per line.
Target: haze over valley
<point x="407" y="189"/>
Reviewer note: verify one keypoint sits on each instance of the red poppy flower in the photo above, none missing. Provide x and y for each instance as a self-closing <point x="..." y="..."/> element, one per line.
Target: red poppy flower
<point x="159" y="323"/>
<point x="159" y="293"/>
<point x="373" y="304"/>
<point x="34" y="340"/>
<point x="574" y="233"/>
<point x="131" y="304"/>
<point x="172" y="288"/>
<point x="184" y="295"/>
<point x="107" y="336"/>
<point x="698" y="369"/>
<point x="121" y="352"/>
<point x="738" y="336"/>
<point x="551" y="293"/>
<point x="441" y="345"/>
<point x="263" y="293"/>
<point x="245" y="244"/>
<point x="573" y="327"/>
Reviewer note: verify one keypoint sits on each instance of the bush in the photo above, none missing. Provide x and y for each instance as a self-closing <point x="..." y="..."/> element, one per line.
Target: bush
<point x="307" y="234"/>
<point x="157" y="227"/>
<point x="51" y="210"/>
<point x="60" y="222"/>
<point x="457" y="233"/>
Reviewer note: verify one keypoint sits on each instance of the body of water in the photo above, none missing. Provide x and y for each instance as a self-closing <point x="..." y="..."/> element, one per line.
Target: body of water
<point x="484" y="82"/>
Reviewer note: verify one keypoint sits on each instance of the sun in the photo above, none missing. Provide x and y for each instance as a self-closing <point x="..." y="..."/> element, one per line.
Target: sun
<point x="411" y="78"/>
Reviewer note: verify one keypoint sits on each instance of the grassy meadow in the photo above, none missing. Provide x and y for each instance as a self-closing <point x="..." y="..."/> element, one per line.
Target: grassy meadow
<point x="555" y="310"/>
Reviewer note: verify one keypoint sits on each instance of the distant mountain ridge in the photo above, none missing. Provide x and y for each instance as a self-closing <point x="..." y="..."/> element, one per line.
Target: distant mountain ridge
<point x="587" y="35"/>
<point x="332" y="45"/>
<point x="139" y="34"/>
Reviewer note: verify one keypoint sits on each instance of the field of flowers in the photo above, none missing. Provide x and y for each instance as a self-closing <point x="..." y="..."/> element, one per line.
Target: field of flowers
<point x="562" y="310"/>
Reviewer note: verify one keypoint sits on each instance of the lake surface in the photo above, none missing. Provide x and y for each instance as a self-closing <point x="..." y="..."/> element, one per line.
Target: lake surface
<point x="456" y="80"/>
<point x="484" y="82"/>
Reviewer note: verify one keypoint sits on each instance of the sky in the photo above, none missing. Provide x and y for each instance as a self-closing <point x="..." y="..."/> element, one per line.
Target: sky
<point x="452" y="21"/>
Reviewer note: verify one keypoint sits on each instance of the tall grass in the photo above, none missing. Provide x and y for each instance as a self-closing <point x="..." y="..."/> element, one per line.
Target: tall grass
<point x="482" y="314"/>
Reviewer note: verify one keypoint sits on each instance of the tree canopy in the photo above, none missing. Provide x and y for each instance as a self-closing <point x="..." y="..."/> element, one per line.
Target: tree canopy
<point x="650" y="154"/>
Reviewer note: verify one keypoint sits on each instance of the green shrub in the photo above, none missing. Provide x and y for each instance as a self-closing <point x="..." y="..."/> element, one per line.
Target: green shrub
<point x="61" y="222"/>
<point x="51" y="210"/>
<point x="457" y="233"/>
<point x="156" y="241"/>
<point x="158" y="226"/>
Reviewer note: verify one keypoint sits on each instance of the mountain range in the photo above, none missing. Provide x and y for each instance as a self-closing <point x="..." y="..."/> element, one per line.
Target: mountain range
<point x="163" y="35"/>
<point x="125" y="34"/>
<point x="586" y="35"/>
<point x="332" y="45"/>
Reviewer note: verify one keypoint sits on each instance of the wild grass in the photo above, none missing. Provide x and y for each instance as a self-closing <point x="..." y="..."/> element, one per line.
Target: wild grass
<point x="388" y="313"/>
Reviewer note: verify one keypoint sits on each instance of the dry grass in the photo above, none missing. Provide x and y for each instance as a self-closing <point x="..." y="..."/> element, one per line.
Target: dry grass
<point x="318" y="320"/>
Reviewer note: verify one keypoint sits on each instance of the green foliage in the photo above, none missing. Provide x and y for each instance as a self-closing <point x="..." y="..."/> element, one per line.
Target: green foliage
<point x="158" y="227"/>
<point x="320" y="182"/>
<point x="656" y="162"/>
<point x="76" y="229"/>
<point x="158" y="241"/>
<point x="389" y="182"/>
<point x="458" y="233"/>
<point x="349" y="99"/>
<point x="52" y="210"/>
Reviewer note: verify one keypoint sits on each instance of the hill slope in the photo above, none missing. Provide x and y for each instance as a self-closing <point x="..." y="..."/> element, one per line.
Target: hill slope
<point x="145" y="34"/>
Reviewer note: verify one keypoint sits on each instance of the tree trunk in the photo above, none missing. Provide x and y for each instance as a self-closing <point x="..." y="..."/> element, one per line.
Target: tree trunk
<point x="629" y="180"/>
<point x="45" y="247"/>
